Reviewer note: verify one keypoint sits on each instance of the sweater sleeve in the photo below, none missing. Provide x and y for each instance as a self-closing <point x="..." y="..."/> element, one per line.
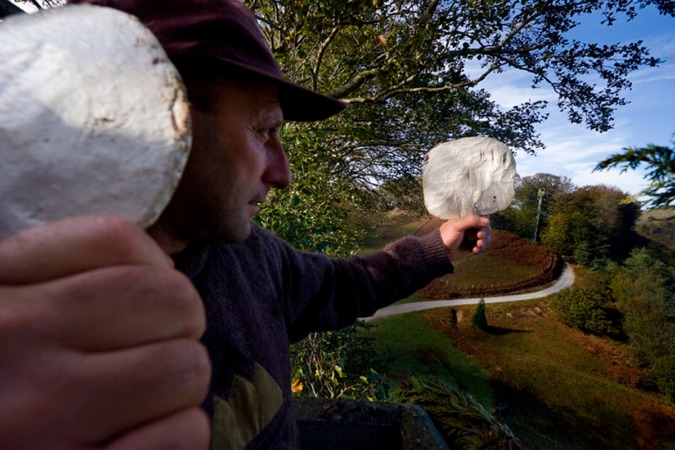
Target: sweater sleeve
<point x="320" y="293"/>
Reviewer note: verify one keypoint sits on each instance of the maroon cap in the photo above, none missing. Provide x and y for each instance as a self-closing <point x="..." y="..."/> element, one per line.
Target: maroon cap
<point x="222" y="33"/>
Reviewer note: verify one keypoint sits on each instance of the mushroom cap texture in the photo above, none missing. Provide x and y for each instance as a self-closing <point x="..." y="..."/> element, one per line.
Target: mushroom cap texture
<point x="473" y="175"/>
<point x="94" y="118"/>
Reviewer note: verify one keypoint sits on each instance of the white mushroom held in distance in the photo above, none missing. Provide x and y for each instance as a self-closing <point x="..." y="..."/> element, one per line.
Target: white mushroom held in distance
<point x="473" y="175"/>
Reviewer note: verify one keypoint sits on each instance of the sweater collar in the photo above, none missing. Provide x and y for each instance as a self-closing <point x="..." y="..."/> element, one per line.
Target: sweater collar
<point x="191" y="261"/>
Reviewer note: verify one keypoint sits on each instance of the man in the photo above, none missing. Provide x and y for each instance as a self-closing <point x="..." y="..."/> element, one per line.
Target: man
<point x="259" y="294"/>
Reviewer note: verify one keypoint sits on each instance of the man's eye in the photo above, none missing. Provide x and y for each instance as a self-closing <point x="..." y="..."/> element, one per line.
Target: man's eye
<point x="269" y="131"/>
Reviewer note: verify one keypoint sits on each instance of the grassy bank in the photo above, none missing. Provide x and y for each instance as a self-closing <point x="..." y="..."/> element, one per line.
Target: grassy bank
<point x="555" y="387"/>
<point x="510" y="261"/>
<point x="418" y="349"/>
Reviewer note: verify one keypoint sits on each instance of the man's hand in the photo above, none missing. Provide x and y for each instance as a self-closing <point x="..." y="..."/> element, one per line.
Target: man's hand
<point x="465" y="236"/>
<point x="98" y="342"/>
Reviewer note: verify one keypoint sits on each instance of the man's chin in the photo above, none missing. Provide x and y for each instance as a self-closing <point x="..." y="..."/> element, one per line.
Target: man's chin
<point x="236" y="234"/>
<point x="245" y="232"/>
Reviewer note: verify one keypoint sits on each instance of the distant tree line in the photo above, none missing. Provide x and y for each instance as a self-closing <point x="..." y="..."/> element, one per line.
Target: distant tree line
<point x="590" y="224"/>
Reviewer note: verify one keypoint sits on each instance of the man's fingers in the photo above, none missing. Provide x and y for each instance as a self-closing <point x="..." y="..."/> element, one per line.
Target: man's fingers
<point x="185" y="430"/>
<point x="73" y="245"/>
<point x="470" y="222"/>
<point x="477" y="241"/>
<point x="113" y="308"/>
<point x="95" y="317"/>
<point x="107" y="394"/>
<point x="161" y="378"/>
<point x="484" y="236"/>
<point x="453" y="231"/>
<point x="116" y="391"/>
<point x="471" y="241"/>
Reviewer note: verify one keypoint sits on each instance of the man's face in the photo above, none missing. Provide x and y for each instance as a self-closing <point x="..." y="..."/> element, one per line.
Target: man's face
<point x="236" y="158"/>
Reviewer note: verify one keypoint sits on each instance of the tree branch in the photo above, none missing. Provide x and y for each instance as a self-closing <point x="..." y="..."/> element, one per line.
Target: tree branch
<point x="435" y="89"/>
<point x="322" y="51"/>
<point x="354" y="83"/>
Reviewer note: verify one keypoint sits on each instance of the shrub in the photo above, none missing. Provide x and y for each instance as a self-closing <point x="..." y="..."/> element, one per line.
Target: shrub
<point x="461" y="420"/>
<point x="338" y="364"/>
<point x="585" y="308"/>
<point x="522" y="251"/>
<point x="478" y="318"/>
<point x="664" y="372"/>
<point x="644" y="290"/>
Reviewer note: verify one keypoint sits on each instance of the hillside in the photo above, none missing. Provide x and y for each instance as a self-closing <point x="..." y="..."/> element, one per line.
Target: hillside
<point x="558" y="388"/>
<point x="658" y="226"/>
<point x="511" y="264"/>
<point x="554" y="387"/>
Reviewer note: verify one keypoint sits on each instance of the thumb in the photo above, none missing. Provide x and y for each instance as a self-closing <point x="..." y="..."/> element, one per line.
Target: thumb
<point x="472" y="231"/>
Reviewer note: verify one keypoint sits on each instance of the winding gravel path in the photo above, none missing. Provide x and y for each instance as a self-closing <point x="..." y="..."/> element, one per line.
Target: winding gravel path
<point x="565" y="281"/>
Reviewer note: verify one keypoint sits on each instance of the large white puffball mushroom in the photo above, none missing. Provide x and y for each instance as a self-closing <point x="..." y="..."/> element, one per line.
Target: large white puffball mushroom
<point x="94" y="118"/>
<point x="473" y="175"/>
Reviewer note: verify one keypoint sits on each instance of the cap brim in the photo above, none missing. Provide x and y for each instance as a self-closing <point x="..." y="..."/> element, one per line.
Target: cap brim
<point x="304" y="105"/>
<point x="298" y="103"/>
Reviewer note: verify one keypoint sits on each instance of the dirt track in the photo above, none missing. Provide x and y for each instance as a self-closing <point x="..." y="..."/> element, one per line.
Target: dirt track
<point x="565" y="281"/>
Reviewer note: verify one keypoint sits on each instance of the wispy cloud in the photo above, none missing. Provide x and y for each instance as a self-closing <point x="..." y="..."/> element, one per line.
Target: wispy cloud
<point x="574" y="151"/>
<point x="661" y="45"/>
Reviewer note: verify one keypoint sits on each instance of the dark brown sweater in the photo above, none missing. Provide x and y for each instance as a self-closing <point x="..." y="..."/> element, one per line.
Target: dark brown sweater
<point x="262" y="295"/>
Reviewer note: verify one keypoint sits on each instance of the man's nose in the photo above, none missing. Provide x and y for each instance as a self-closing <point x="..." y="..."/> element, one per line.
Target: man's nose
<point x="278" y="173"/>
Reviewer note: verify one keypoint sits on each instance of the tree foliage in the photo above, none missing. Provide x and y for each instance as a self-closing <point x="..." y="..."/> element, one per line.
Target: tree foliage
<point x="521" y="217"/>
<point x="593" y="222"/>
<point x="644" y="290"/>
<point x="660" y="162"/>
<point x="556" y="235"/>
<point x="664" y="371"/>
<point x="588" y="308"/>
<point x="632" y="300"/>
<point x="412" y="72"/>
<point x="323" y="210"/>
<point x="369" y="51"/>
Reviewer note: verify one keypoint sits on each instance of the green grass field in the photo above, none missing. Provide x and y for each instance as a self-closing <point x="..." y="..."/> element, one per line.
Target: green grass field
<point x="555" y="387"/>
<point x="418" y="349"/>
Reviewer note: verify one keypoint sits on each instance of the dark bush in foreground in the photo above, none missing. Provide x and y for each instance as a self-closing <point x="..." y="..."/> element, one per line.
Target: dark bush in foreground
<point x="462" y="421"/>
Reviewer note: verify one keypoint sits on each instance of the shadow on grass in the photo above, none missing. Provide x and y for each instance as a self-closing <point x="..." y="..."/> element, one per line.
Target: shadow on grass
<point x="533" y="422"/>
<point x="541" y="426"/>
<point x="497" y="331"/>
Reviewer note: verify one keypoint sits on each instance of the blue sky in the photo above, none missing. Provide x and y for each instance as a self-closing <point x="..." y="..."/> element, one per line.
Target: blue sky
<point x="649" y="118"/>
